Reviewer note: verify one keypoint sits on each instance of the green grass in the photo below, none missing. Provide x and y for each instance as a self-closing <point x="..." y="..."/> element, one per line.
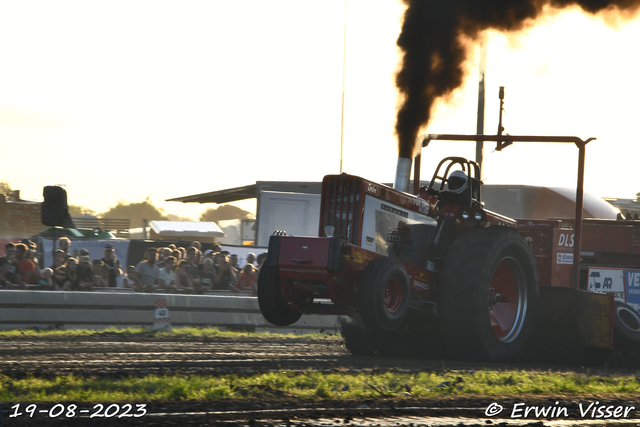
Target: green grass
<point x="315" y="385"/>
<point x="311" y="385"/>
<point x="178" y="332"/>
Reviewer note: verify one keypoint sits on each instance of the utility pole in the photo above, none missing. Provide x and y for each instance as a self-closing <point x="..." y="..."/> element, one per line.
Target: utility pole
<point x="480" y="120"/>
<point x="344" y="61"/>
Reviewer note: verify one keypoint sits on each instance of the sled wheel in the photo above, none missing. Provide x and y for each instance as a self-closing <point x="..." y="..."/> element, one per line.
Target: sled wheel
<point x="273" y="305"/>
<point x="489" y="295"/>
<point x="383" y="294"/>
<point x="626" y="326"/>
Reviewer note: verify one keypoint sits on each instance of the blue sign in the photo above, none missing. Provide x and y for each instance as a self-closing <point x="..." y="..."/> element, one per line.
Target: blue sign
<point x="632" y="288"/>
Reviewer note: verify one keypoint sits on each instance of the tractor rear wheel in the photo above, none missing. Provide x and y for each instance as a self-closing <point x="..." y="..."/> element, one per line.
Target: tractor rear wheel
<point x="626" y="326"/>
<point x="489" y="295"/>
<point x="273" y="305"/>
<point x="360" y="340"/>
<point x="406" y="341"/>
<point x="383" y="294"/>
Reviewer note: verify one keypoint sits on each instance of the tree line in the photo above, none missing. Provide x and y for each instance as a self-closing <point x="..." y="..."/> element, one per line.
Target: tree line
<point x="138" y="211"/>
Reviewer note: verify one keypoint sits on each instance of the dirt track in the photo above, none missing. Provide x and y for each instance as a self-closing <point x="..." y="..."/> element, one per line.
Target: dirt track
<point x="116" y="355"/>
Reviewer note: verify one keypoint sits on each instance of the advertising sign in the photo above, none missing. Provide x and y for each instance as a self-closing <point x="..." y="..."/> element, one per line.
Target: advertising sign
<point x="396" y="232"/>
<point x="623" y="284"/>
<point x="607" y="281"/>
<point x="632" y="288"/>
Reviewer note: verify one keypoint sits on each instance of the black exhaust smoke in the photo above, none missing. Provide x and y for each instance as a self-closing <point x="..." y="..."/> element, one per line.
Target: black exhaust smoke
<point x="434" y="41"/>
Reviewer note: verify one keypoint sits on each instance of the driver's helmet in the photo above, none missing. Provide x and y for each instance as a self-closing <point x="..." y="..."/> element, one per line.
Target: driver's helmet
<point x="457" y="182"/>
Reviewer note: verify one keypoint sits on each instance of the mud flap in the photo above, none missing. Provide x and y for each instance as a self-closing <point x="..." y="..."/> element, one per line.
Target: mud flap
<point x="594" y="316"/>
<point x="574" y="319"/>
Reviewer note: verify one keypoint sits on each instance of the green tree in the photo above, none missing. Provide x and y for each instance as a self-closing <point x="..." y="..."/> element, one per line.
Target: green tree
<point x="136" y="212"/>
<point x="5" y="189"/>
<point x="75" y="210"/>
<point x="224" y="212"/>
<point x="174" y="217"/>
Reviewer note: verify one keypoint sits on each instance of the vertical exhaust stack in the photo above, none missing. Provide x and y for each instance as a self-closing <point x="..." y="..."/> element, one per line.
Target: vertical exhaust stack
<point x="403" y="172"/>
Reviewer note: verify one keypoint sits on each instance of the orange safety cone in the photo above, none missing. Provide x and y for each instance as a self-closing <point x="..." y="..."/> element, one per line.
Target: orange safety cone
<point x="162" y="319"/>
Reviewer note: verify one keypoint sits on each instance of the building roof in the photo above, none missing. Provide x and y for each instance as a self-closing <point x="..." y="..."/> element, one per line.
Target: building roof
<point x="625" y="205"/>
<point x="220" y="196"/>
<point x="250" y="191"/>
<point x="189" y="228"/>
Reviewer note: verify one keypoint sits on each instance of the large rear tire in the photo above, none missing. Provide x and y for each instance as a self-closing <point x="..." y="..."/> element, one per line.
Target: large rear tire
<point x="489" y="296"/>
<point x="358" y="339"/>
<point x="273" y="305"/>
<point x="626" y="327"/>
<point x="407" y="341"/>
<point x="383" y="294"/>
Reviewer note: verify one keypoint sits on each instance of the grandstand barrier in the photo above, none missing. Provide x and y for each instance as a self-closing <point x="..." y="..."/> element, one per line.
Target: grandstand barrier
<point x="21" y="309"/>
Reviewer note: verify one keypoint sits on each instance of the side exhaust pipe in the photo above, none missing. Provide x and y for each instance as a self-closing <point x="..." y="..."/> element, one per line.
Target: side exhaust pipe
<point x="403" y="172"/>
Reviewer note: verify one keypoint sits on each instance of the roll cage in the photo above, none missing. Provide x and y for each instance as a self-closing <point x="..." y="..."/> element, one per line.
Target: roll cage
<point x="470" y="168"/>
<point x="503" y="141"/>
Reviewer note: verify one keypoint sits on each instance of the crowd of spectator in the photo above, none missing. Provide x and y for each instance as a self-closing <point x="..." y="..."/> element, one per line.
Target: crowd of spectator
<point x="168" y="269"/>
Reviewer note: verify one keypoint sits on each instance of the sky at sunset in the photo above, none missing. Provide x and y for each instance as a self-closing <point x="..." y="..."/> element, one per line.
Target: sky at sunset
<point x="122" y="100"/>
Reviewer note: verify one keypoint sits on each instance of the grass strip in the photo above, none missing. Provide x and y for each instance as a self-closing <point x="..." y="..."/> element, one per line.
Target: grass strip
<point x="315" y="385"/>
<point x="133" y="332"/>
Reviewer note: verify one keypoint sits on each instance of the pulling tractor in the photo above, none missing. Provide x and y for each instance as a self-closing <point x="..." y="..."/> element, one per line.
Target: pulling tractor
<point x="478" y="284"/>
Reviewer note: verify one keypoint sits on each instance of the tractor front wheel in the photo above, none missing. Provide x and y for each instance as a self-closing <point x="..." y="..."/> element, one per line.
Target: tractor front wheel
<point x="489" y="295"/>
<point x="273" y="305"/>
<point x="383" y="294"/>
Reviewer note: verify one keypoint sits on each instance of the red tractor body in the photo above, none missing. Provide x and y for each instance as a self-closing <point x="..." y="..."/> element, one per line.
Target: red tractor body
<point x="482" y="283"/>
<point x="375" y="220"/>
